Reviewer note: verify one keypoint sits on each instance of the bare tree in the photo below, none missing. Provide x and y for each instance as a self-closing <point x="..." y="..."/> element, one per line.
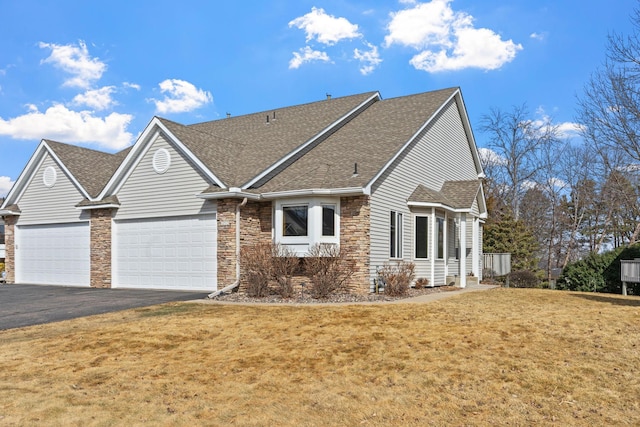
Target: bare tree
<point x="516" y="140"/>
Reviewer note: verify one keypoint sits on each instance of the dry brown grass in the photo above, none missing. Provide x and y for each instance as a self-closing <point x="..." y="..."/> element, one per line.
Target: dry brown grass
<point x="503" y="357"/>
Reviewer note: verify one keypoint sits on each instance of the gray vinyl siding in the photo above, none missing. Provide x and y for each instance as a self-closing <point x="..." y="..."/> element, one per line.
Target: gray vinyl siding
<point x="50" y="205"/>
<point x="441" y="153"/>
<point x="469" y="238"/>
<point x="147" y="194"/>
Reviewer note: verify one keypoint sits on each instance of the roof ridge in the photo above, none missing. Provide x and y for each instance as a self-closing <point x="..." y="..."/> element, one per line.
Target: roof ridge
<point x="286" y="107"/>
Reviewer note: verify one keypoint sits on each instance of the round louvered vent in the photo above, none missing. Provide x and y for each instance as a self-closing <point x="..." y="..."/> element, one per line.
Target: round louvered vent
<point x="49" y="177"/>
<point x="161" y="160"/>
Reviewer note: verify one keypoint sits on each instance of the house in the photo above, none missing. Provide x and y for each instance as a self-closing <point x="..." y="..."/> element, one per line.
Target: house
<point x="2" y="246"/>
<point x="386" y="179"/>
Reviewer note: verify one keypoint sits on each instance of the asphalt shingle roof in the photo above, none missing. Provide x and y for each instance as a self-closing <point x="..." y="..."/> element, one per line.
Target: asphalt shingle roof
<point x="371" y="139"/>
<point x="455" y="194"/>
<point x="237" y="149"/>
<point x="91" y="168"/>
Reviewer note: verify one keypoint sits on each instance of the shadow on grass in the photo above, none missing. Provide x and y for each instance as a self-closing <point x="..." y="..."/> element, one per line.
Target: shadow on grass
<point x="632" y="301"/>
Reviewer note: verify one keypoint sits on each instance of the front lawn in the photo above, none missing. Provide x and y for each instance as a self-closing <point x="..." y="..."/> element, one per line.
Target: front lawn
<point x="502" y="357"/>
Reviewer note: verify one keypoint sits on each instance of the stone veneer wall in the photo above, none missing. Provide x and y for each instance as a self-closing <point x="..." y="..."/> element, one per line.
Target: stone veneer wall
<point x="226" y="219"/>
<point x="255" y="227"/>
<point x="355" y="238"/>
<point x="10" y="248"/>
<point x="100" y="244"/>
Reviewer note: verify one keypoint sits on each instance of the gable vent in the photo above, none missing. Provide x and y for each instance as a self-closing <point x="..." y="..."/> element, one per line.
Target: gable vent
<point x="49" y="177"/>
<point x="161" y="161"/>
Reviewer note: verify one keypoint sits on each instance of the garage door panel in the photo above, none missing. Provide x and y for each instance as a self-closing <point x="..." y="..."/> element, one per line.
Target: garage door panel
<point x="56" y="254"/>
<point x="166" y="253"/>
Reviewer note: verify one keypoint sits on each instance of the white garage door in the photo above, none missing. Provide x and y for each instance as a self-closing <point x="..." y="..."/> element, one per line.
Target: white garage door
<point x="166" y="253"/>
<point x="53" y="254"/>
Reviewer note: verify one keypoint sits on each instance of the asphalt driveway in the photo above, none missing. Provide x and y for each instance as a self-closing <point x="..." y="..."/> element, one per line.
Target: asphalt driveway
<point x="26" y="305"/>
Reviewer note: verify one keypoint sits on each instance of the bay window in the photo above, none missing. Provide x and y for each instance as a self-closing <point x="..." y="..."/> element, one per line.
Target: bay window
<point x="302" y="223"/>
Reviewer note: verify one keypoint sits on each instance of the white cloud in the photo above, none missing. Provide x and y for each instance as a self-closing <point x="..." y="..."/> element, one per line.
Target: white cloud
<point x="370" y="59"/>
<point x="538" y="36"/>
<point x="131" y="85"/>
<point x="5" y="185"/>
<point x="565" y="130"/>
<point x="326" y="29"/>
<point x="60" y="123"/>
<point x="447" y="40"/>
<point x="75" y="60"/>
<point x="98" y="99"/>
<point x="490" y="157"/>
<point x="307" y="54"/>
<point x="180" y="97"/>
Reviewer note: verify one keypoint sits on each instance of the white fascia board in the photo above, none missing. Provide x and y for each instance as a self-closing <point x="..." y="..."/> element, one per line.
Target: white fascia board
<point x="5" y="212"/>
<point x="438" y="206"/>
<point x="406" y="144"/>
<point x="105" y="206"/>
<point x="66" y="171"/>
<point x="469" y="131"/>
<point x="229" y="195"/>
<point x="124" y="170"/>
<point x="32" y="166"/>
<point x="140" y="148"/>
<point x="306" y="144"/>
<point x="203" y="168"/>
<point x="348" y="191"/>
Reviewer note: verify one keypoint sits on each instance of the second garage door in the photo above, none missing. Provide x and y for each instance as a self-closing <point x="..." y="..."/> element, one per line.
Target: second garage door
<point x="166" y="253"/>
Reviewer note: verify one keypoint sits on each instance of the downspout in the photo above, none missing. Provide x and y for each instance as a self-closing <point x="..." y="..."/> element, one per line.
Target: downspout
<point x="237" y="281"/>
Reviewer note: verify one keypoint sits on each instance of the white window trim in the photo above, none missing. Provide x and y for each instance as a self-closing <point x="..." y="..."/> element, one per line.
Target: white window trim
<point x="413" y="236"/>
<point x="302" y="244"/>
<point x="399" y="241"/>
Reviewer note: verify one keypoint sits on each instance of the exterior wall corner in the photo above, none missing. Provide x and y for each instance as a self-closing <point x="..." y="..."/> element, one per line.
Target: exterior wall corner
<point x="100" y="247"/>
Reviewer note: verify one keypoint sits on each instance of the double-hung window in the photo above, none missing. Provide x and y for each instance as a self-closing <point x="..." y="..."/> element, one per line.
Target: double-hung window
<point x="440" y="237"/>
<point x="422" y="237"/>
<point x="395" y="235"/>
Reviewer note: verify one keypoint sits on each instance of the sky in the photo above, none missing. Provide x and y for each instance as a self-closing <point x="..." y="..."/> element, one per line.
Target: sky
<point x="94" y="73"/>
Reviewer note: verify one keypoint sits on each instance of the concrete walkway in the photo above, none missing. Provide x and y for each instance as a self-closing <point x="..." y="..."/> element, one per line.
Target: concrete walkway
<point x="441" y="295"/>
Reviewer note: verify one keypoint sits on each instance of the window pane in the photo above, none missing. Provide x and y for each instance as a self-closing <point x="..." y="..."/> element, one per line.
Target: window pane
<point x="422" y="236"/>
<point x="328" y="220"/>
<point x="392" y="233"/>
<point x="295" y="220"/>
<point x="440" y="224"/>
<point x="399" y="233"/>
<point x="1" y="234"/>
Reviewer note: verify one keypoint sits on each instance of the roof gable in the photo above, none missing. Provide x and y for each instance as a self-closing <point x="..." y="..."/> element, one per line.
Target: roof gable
<point x="43" y="151"/>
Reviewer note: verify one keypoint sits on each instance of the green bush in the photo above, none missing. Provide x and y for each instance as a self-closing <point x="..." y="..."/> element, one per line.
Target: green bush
<point x="599" y="272"/>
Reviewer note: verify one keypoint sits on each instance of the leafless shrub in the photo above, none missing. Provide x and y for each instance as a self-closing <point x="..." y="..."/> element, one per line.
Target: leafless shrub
<point x="397" y="277"/>
<point x="284" y="264"/>
<point x="328" y="269"/>
<point x="257" y="268"/>
<point x="421" y="283"/>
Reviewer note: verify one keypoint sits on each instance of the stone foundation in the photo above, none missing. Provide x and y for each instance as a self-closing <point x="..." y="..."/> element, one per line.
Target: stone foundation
<point x="355" y="239"/>
<point x="10" y="248"/>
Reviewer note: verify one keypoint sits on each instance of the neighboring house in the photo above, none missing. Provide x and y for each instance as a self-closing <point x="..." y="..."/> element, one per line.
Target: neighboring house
<point x="387" y="180"/>
<point x="2" y="246"/>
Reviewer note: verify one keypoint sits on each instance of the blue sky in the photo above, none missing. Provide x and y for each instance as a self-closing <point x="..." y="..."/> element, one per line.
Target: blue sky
<point x="95" y="73"/>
